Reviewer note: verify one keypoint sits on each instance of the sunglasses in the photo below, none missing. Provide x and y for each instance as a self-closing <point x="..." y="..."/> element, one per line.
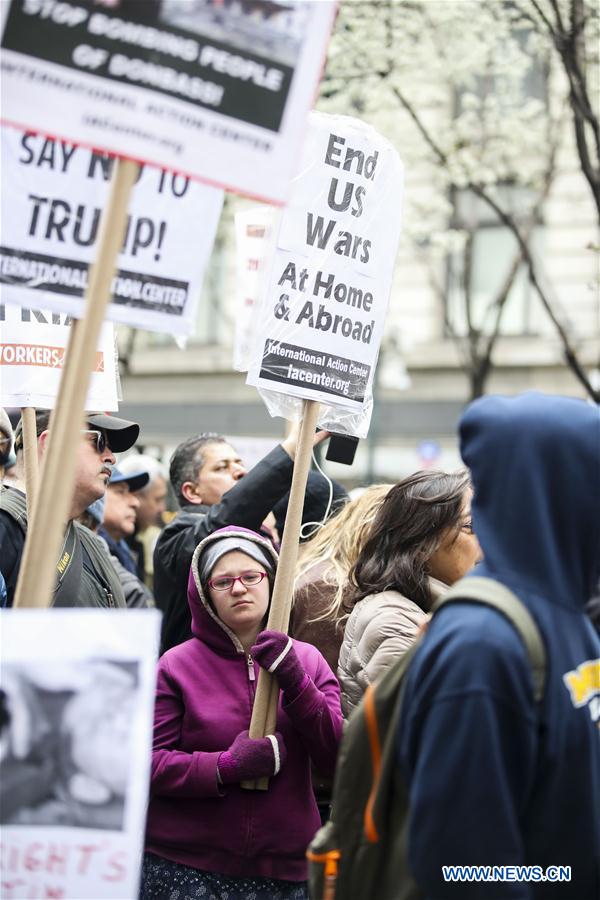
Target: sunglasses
<point x="226" y="582"/>
<point x="100" y="439"/>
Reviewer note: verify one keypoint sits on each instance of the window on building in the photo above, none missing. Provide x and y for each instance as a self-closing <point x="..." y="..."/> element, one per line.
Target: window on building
<point x="472" y="295"/>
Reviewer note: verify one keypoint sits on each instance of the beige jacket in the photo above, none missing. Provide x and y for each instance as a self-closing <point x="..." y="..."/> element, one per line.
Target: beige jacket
<point x="380" y="628"/>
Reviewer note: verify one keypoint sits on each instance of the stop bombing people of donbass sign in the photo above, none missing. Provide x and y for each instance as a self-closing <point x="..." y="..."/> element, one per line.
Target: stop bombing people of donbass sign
<point x="323" y="313"/>
<point x="207" y="90"/>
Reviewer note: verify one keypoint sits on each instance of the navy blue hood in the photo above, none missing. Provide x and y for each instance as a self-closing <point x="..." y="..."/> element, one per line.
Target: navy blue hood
<point x="535" y="466"/>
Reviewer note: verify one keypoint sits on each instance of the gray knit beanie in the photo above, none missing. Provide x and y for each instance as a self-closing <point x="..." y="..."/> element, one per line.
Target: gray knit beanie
<point x="217" y="549"/>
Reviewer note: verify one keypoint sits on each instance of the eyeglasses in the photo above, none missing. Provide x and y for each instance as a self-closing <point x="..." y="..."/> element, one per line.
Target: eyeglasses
<point x="226" y="582"/>
<point x="468" y="527"/>
<point x="100" y="439"/>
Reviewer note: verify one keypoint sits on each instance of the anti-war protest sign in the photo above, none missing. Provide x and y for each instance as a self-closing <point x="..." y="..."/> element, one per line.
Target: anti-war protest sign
<point x="52" y="196"/>
<point x="323" y="314"/>
<point x="219" y="91"/>
<point x="32" y="353"/>
<point x="77" y="699"/>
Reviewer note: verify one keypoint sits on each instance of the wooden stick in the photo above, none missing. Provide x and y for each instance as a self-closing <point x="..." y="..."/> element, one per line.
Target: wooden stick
<point x="266" y="701"/>
<point x="30" y="457"/>
<point x="37" y="575"/>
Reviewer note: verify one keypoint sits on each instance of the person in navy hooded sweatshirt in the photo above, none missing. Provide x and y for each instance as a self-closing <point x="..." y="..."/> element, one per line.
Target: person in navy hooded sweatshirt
<point x="495" y="778"/>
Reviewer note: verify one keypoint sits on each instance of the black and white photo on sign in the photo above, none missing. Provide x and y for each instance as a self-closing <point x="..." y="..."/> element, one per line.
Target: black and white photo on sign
<point x="76" y="701"/>
<point x="65" y="745"/>
<point x="216" y="89"/>
<point x="271" y="28"/>
<point x="53" y="193"/>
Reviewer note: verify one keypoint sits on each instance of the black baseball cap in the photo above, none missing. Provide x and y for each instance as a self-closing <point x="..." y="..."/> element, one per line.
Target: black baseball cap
<point x="121" y="433"/>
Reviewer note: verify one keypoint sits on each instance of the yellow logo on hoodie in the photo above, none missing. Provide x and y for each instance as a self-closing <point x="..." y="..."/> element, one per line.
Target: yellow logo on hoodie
<point x="583" y="685"/>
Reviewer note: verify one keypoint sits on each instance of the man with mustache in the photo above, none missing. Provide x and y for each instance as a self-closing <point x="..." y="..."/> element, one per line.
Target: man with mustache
<point x="84" y="574"/>
<point x="213" y="489"/>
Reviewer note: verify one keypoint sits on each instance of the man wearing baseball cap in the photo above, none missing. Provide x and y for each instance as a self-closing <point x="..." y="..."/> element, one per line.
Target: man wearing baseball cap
<point x="120" y="507"/>
<point x="84" y="574"/>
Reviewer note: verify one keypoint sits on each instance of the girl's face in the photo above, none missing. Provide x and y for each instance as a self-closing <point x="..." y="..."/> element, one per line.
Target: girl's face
<point x="459" y="550"/>
<point x="241" y="607"/>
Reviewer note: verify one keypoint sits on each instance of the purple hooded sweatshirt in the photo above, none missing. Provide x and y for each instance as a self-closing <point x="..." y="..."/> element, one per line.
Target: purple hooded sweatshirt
<point x="204" y="698"/>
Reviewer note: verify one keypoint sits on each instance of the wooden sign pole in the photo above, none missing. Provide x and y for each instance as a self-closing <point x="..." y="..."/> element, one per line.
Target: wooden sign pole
<point x="264" y="712"/>
<point x="42" y="547"/>
<point x="30" y="457"/>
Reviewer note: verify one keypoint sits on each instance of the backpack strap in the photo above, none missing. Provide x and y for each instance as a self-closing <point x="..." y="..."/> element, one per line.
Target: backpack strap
<point x="14" y="503"/>
<point x="478" y="589"/>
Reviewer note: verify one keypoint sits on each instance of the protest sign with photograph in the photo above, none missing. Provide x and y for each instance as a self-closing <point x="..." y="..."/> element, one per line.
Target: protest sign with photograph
<point x="52" y="196"/>
<point x="219" y="91"/>
<point x="32" y="353"/>
<point x="322" y="317"/>
<point x="77" y="699"/>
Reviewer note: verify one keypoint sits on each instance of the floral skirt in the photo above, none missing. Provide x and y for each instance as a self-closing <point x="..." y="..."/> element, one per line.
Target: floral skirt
<point x="166" y="880"/>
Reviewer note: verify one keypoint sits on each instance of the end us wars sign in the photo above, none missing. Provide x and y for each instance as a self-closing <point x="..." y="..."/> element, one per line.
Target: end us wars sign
<point x="323" y="314"/>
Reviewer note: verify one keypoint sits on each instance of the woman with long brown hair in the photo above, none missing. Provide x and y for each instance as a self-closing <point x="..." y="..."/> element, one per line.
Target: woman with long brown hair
<point x="318" y="614"/>
<point x="420" y="543"/>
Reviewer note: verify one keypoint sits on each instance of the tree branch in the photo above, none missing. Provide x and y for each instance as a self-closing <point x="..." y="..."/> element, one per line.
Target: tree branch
<point x="556" y="8"/>
<point x="570" y="51"/>
<point x="506" y="219"/>
<point x="543" y="17"/>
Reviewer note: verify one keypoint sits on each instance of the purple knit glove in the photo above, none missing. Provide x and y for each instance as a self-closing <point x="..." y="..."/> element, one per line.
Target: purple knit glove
<point x="275" y="652"/>
<point x="249" y="758"/>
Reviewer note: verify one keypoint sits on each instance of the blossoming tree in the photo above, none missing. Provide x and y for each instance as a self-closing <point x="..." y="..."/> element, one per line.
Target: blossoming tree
<point x="481" y="96"/>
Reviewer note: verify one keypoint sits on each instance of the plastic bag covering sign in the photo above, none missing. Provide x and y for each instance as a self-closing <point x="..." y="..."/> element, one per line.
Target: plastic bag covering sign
<point x="219" y="90"/>
<point x="77" y="700"/>
<point x="324" y="311"/>
<point x="52" y="197"/>
<point x="32" y="351"/>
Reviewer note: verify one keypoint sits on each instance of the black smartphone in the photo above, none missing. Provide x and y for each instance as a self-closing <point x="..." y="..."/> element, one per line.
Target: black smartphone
<point x="342" y="449"/>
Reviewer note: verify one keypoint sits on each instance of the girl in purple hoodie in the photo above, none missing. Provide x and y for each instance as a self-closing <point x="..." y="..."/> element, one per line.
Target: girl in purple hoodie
<point x="207" y="837"/>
